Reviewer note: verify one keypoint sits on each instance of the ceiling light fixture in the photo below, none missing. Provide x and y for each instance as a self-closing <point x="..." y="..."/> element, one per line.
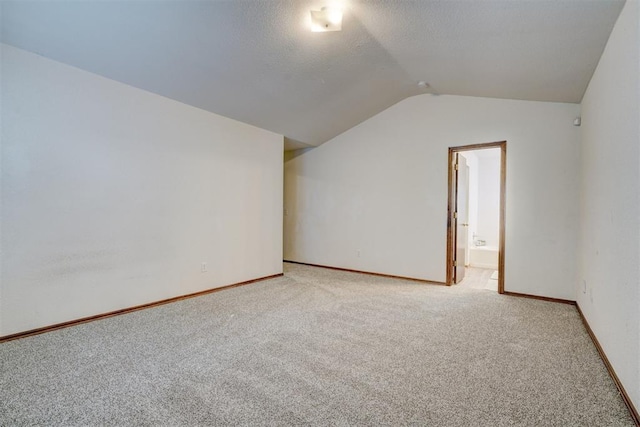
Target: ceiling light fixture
<point x="326" y="19"/>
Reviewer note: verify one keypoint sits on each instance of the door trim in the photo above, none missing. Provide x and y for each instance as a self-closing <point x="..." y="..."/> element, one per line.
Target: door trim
<point x="451" y="207"/>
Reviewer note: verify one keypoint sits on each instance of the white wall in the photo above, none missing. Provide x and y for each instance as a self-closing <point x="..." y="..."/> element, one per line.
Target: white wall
<point x="2" y="132"/>
<point x="610" y="244"/>
<point x="112" y="196"/>
<point x="488" y="226"/>
<point x="381" y="189"/>
<point x="472" y="164"/>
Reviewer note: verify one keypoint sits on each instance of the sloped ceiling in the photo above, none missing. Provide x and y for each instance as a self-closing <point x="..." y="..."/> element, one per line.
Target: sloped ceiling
<point x="256" y="60"/>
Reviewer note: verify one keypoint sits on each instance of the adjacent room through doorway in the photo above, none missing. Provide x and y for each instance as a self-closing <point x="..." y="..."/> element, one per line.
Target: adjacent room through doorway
<point x="476" y="216"/>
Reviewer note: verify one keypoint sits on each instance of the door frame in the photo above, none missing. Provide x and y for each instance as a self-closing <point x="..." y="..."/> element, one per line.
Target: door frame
<point x="451" y="203"/>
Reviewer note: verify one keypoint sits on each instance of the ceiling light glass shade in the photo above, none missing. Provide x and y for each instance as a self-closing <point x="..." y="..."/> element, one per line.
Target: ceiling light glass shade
<point x="326" y="19"/>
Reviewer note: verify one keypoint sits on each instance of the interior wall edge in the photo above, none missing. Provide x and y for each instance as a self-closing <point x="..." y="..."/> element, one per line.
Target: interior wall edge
<point x="612" y="372"/>
<point x="371" y="273"/>
<point x="51" y="328"/>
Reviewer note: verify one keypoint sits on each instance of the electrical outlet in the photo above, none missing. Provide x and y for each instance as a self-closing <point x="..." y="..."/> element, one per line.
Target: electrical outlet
<point x="584" y="286"/>
<point x="358" y="253"/>
<point x="203" y="267"/>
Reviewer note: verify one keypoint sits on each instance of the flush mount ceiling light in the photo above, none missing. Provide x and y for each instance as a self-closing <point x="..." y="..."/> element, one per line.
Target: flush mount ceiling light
<point x="326" y="19"/>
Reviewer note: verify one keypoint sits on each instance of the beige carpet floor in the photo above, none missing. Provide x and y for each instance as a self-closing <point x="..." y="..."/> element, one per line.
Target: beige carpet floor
<point x="479" y="278"/>
<point x="317" y="347"/>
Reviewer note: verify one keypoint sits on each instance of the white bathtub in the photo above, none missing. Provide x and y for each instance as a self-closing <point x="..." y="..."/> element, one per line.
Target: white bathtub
<point x="483" y="257"/>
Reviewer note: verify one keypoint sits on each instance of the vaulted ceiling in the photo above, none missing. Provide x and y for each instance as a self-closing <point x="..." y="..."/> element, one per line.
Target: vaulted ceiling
<point x="256" y="60"/>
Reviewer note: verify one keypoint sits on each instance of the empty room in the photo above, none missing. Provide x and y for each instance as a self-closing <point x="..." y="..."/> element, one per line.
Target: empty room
<point x="320" y="212"/>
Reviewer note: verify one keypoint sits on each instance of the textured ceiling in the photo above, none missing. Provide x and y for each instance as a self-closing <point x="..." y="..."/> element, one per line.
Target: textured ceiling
<point x="256" y="60"/>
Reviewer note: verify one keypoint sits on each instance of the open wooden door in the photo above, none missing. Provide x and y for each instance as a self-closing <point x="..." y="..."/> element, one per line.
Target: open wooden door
<point x="458" y="211"/>
<point x="461" y="217"/>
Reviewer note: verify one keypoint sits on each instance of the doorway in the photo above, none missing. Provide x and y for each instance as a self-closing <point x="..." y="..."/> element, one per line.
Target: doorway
<point x="462" y="244"/>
